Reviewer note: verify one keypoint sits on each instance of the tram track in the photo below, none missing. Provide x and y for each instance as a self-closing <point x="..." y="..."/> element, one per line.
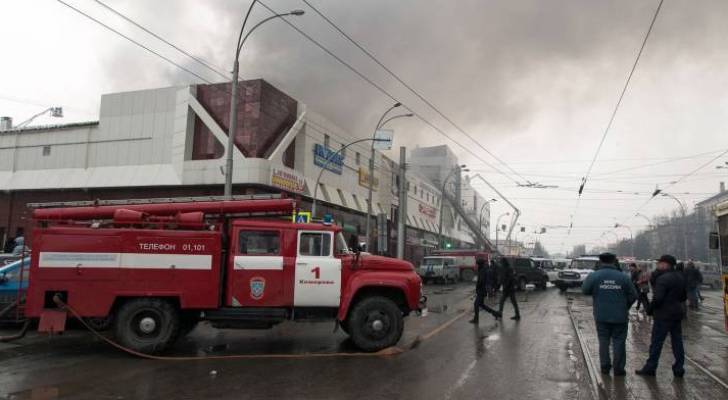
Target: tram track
<point x="599" y="390"/>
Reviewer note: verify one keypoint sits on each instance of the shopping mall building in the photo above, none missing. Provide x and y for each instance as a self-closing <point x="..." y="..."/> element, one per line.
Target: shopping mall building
<point x="171" y="142"/>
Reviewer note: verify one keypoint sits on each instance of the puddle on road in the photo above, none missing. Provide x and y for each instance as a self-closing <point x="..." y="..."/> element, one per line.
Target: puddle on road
<point x="218" y="348"/>
<point x="493" y="337"/>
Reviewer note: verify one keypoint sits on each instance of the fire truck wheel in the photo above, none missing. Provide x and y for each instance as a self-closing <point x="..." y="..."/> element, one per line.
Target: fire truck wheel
<point x="375" y="323"/>
<point x="147" y="325"/>
<point x="344" y="325"/>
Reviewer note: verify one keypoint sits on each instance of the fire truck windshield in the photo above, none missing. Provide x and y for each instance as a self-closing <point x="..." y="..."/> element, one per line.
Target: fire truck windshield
<point x="340" y="246"/>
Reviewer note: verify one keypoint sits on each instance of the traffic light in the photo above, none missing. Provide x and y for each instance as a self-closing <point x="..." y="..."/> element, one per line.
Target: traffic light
<point x="448" y="245"/>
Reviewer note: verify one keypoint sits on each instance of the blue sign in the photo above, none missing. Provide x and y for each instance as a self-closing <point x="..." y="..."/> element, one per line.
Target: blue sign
<point x="327" y="158"/>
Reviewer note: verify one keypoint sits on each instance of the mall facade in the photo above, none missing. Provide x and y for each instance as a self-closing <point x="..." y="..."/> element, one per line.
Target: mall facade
<point x="171" y="142"/>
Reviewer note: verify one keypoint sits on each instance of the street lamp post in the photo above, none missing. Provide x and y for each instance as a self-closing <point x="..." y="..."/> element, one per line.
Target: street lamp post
<point x="497" y="227"/>
<point x="649" y="221"/>
<point x="370" y="184"/>
<point x="616" y="237"/>
<point x="685" y="222"/>
<point x="372" y="154"/>
<point x="631" y="237"/>
<point x="228" y="192"/>
<point x="457" y="169"/>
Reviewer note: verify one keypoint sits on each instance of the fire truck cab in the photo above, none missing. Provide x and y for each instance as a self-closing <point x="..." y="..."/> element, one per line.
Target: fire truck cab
<point x="152" y="270"/>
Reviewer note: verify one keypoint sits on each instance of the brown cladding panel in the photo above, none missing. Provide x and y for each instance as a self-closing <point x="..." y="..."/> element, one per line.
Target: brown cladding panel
<point x="264" y="115"/>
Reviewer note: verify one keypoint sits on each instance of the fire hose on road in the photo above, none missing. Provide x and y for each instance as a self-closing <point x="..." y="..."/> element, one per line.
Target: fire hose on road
<point x="22" y="331"/>
<point x="386" y="352"/>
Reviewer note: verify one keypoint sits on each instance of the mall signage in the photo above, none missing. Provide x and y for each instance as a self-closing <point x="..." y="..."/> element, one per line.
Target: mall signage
<point x="328" y="159"/>
<point x="287" y="180"/>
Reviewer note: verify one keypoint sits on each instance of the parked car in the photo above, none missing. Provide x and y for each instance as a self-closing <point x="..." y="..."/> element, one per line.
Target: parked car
<point x="7" y="258"/>
<point x="13" y="279"/>
<point x="548" y="266"/>
<point x="438" y="268"/>
<point x="527" y="272"/>
<point x="578" y="270"/>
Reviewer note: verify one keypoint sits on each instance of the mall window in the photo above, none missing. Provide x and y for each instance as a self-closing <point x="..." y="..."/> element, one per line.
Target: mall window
<point x="327" y="141"/>
<point x="46" y="150"/>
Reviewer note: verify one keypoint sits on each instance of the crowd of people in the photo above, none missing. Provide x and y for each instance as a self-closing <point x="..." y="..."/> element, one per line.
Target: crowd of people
<point x="614" y="293"/>
<point x="492" y="277"/>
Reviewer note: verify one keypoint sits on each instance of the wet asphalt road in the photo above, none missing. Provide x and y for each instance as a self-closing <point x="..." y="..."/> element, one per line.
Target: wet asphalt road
<point x="706" y="346"/>
<point x="536" y="358"/>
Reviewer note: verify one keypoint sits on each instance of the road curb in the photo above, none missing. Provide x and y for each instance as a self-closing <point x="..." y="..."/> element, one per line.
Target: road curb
<point x="597" y="384"/>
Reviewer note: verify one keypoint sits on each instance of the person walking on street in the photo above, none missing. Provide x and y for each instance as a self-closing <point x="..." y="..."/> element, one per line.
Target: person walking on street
<point x="481" y="291"/>
<point x="643" y="289"/>
<point x="492" y="283"/>
<point x="668" y="311"/>
<point x="508" y="281"/>
<point x="613" y="294"/>
<point x="641" y="280"/>
<point x="693" y="280"/>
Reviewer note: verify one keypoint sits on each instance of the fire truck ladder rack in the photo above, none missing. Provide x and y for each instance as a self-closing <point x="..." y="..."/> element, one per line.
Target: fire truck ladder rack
<point x="160" y="200"/>
<point x="186" y="210"/>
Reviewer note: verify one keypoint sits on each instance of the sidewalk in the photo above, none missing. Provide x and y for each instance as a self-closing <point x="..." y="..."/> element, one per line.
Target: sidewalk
<point x="704" y="344"/>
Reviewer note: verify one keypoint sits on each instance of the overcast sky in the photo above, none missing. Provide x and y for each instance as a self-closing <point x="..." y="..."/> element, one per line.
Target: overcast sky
<point x="535" y="82"/>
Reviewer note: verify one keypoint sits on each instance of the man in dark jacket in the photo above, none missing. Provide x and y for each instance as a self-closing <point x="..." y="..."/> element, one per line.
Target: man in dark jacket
<point x="481" y="291"/>
<point x="693" y="279"/>
<point x="508" y="281"/>
<point x="492" y="283"/>
<point x="613" y="294"/>
<point x="667" y="311"/>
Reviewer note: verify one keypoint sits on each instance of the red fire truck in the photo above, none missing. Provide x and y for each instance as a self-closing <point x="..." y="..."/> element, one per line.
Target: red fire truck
<point x="152" y="269"/>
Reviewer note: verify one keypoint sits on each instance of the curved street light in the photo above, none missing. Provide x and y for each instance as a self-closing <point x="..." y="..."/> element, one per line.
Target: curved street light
<point x="646" y="218"/>
<point x="684" y="210"/>
<point x="370" y="183"/>
<point x="228" y="191"/>
<point x="631" y="237"/>
<point x="497" y="227"/>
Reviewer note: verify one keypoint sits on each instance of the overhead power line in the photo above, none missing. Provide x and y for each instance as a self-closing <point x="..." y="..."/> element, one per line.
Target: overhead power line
<point x="411" y="89"/>
<point x="382" y="90"/>
<point x="329" y="52"/>
<point x="619" y="101"/>
<point x="167" y="59"/>
<point x="196" y="59"/>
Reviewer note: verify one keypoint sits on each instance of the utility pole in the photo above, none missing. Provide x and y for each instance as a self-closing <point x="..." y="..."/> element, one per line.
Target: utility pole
<point x="402" y="223"/>
<point x="228" y="188"/>
<point x="372" y="155"/>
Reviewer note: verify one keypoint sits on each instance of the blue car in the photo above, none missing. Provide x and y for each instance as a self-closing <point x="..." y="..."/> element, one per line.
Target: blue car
<point x="10" y="282"/>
